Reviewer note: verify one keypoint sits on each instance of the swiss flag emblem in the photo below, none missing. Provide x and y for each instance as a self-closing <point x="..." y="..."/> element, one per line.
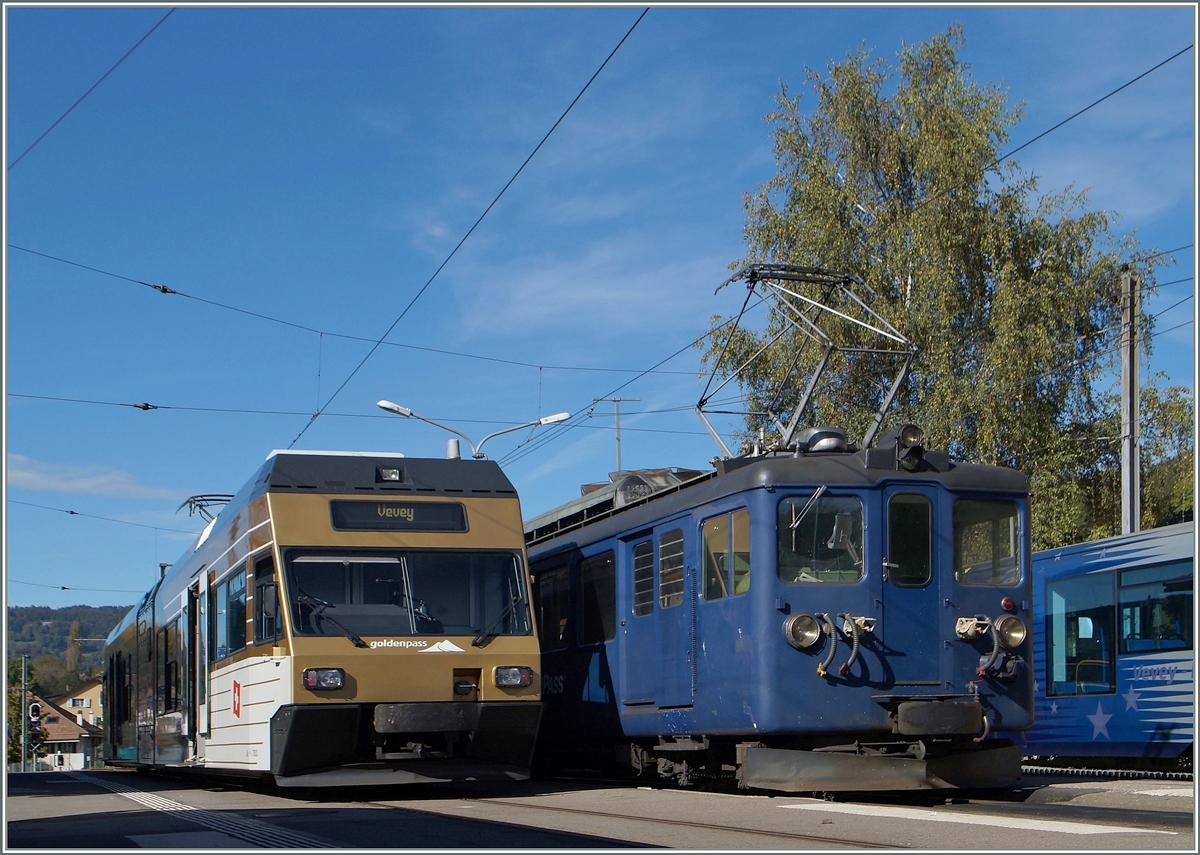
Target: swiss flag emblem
<point x="237" y="699"/>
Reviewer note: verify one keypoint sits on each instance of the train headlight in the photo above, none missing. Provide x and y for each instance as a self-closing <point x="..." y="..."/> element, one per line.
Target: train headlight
<point x="513" y="676"/>
<point x="1011" y="631"/>
<point x="323" y="678"/>
<point x="802" y="631"/>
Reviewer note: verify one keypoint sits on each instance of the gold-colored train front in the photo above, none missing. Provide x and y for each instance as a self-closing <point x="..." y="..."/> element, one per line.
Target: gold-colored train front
<point x="347" y="619"/>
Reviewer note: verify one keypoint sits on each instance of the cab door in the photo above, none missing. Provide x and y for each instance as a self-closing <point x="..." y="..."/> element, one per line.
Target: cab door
<point x="911" y="586"/>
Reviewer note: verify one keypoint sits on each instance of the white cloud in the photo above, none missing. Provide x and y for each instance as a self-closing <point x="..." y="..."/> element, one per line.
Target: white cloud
<point x="603" y="290"/>
<point x="64" y="478"/>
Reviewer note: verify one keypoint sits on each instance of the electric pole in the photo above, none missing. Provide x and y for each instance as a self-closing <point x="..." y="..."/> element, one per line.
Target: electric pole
<point x="616" y="402"/>
<point x="1131" y="464"/>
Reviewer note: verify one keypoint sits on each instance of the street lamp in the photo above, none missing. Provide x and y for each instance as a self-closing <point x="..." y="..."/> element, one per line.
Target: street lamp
<point x="475" y="452"/>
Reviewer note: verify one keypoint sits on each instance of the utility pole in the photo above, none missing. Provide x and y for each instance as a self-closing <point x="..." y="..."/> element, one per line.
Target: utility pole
<point x="616" y="402"/>
<point x="24" y="708"/>
<point x="1131" y="468"/>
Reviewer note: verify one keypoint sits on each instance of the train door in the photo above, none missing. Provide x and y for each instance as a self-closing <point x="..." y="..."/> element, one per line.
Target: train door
<point x="676" y="607"/>
<point x="144" y="681"/>
<point x="638" y="622"/>
<point x="911" y="604"/>
<point x="198" y="664"/>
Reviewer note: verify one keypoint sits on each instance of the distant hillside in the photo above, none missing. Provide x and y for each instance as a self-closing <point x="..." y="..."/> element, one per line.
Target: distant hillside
<point x="40" y="630"/>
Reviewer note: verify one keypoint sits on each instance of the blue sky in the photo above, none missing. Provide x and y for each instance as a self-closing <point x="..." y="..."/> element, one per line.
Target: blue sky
<point x="317" y="165"/>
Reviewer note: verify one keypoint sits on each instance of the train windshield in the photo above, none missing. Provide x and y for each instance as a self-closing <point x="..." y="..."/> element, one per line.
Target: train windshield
<point x="406" y="592"/>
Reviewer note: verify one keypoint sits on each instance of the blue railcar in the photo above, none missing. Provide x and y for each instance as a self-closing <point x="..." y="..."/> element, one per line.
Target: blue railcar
<point x="829" y="619"/>
<point x="1113" y="646"/>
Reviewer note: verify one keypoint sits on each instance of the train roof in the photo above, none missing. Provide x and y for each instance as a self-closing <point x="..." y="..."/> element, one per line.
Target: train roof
<point x="861" y="468"/>
<point x="1157" y="545"/>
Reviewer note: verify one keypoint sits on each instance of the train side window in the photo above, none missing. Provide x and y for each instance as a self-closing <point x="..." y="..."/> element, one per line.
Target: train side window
<point x="170" y="668"/>
<point x="266" y="601"/>
<point x="228" y="617"/>
<point x="1156" y="608"/>
<point x="598" y="598"/>
<point x="727" y="554"/>
<point x="910" y="548"/>
<point x="821" y="540"/>
<point x="553" y="603"/>
<point x="987" y="543"/>
<point x="670" y="568"/>
<point x="1080" y="636"/>
<point x="643" y="578"/>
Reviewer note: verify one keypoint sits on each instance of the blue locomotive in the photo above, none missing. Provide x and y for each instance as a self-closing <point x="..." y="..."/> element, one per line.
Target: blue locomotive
<point x="825" y="618"/>
<point x="1114" y="649"/>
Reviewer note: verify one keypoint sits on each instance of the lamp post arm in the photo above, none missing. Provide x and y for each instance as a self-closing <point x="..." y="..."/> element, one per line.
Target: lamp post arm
<point x="548" y="420"/>
<point x="452" y="430"/>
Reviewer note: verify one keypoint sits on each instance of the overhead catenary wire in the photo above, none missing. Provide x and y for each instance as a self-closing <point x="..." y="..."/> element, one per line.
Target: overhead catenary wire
<point x="92" y="89"/>
<point x="69" y="588"/>
<point x="470" y="231"/>
<point x="105" y="519"/>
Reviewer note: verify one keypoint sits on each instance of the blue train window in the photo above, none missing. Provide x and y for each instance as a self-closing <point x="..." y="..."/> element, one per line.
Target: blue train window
<point x="553" y="597"/>
<point x="986" y="543"/>
<point x="1080" y="630"/>
<point x="727" y="554"/>
<point x="910" y="552"/>
<point x="670" y="568"/>
<point x="1156" y="608"/>
<point x="820" y="538"/>
<point x="643" y="578"/>
<point x="598" y="599"/>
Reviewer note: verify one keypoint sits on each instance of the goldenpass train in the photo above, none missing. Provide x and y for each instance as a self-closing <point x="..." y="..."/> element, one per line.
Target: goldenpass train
<point x="347" y="618"/>
<point x="826" y="618"/>
<point x="1114" y="649"/>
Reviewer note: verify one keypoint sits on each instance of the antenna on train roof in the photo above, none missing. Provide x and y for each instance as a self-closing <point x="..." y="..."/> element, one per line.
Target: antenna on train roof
<point x="815" y="305"/>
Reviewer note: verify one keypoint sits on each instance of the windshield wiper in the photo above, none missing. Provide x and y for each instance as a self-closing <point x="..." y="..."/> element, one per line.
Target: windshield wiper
<point x="319" y="617"/>
<point x="488" y="634"/>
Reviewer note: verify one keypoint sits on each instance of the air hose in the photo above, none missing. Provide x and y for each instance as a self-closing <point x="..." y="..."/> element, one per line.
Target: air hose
<point x="994" y="655"/>
<point x="854" y="632"/>
<point x="831" y="631"/>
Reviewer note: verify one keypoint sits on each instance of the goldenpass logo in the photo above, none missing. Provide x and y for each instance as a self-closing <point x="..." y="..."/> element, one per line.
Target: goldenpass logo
<point x="391" y="642"/>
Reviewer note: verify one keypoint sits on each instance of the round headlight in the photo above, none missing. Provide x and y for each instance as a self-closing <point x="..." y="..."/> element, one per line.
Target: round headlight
<point x="802" y="631"/>
<point x="1011" y="630"/>
<point x="910" y="436"/>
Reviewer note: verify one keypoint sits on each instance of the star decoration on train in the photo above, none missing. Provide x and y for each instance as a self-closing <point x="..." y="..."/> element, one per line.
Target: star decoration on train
<point x="1131" y="699"/>
<point x="1099" y="722"/>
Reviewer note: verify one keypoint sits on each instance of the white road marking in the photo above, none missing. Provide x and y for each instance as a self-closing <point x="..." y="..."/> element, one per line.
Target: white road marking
<point x="249" y="830"/>
<point x="1175" y="791"/>
<point x="884" y="812"/>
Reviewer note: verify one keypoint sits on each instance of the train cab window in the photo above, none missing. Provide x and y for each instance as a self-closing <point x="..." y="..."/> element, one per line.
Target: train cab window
<point x="910" y="547"/>
<point x="598" y="599"/>
<point x="1080" y="636"/>
<point x="1156" y="608"/>
<point x="643" y="578"/>
<point x="987" y="545"/>
<point x="228" y="617"/>
<point x="727" y="554"/>
<point x="406" y="592"/>
<point x="266" y="601"/>
<point x="820" y="539"/>
<point x="553" y="603"/>
<point x="670" y="568"/>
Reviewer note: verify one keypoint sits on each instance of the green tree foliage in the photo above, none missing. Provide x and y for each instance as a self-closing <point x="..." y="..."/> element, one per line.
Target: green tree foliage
<point x="1011" y="296"/>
